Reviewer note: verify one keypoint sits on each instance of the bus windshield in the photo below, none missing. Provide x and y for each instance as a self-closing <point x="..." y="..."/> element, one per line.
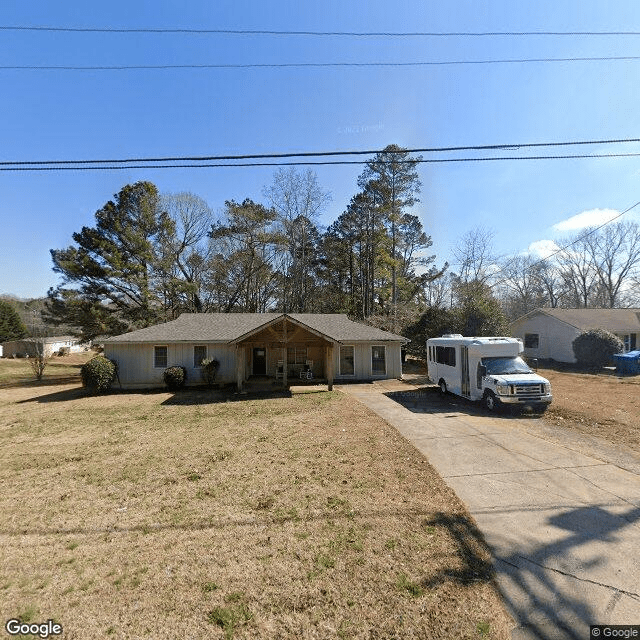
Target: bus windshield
<point x="499" y="366"/>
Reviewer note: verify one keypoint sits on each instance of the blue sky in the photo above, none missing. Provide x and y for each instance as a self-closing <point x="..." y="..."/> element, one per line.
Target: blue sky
<point x="47" y="115"/>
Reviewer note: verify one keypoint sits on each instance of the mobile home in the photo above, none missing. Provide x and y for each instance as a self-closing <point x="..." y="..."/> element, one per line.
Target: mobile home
<point x="486" y="369"/>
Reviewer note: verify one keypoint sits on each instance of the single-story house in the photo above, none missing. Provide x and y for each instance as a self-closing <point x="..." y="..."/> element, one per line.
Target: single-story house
<point x="276" y="345"/>
<point x="549" y="333"/>
<point x="52" y="344"/>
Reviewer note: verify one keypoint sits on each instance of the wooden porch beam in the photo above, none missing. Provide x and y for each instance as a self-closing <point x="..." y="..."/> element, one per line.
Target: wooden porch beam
<point x="328" y="350"/>
<point x="240" y="358"/>
<point x="284" y="354"/>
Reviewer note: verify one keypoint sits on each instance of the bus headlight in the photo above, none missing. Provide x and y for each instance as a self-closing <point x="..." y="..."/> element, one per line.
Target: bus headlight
<point x="503" y="389"/>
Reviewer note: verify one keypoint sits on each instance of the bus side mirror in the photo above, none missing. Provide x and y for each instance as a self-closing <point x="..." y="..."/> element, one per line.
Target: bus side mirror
<point x="483" y="370"/>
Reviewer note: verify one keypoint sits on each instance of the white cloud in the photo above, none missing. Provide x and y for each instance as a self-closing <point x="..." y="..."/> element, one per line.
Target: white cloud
<point x="591" y="218"/>
<point x="542" y="248"/>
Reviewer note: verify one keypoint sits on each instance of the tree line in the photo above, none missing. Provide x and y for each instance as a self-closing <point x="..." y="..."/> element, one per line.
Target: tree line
<point x="151" y="256"/>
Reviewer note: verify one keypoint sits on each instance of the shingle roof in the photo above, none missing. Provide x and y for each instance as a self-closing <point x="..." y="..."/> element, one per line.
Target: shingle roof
<point x="616" y="320"/>
<point x="227" y="327"/>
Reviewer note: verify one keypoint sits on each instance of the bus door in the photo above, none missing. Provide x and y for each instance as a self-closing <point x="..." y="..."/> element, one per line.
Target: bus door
<point x="465" y="389"/>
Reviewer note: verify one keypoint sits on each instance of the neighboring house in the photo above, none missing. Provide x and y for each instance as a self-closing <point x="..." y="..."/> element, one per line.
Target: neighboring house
<point x="52" y="345"/>
<point x="549" y="333"/>
<point x="257" y="344"/>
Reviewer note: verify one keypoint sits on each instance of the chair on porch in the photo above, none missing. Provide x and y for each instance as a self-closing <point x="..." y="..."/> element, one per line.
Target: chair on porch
<point x="306" y="373"/>
<point x="280" y="370"/>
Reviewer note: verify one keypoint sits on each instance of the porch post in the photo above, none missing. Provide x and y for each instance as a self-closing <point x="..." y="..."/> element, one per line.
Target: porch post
<point x="284" y="354"/>
<point x="240" y="356"/>
<point x="329" y="365"/>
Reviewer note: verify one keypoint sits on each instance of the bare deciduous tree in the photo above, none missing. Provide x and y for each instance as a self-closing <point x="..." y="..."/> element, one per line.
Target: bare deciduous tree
<point x="185" y="249"/>
<point x="523" y="292"/>
<point x="298" y="200"/>
<point x="38" y="357"/>
<point x="475" y="256"/>
<point x="615" y="254"/>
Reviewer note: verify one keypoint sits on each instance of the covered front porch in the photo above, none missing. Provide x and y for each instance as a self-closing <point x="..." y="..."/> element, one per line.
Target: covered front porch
<point x="279" y="351"/>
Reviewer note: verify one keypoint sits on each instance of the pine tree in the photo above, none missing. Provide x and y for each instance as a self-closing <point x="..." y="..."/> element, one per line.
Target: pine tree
<point x="115" y="270"/>
<point x="11" y="326"/>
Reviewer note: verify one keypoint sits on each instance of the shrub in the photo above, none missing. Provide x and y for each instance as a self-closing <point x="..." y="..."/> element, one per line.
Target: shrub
<point x="209" y="370"/>
<point x="98" y="374"/>
<point x="594" y="348"/>
<point x="175" y="377"/>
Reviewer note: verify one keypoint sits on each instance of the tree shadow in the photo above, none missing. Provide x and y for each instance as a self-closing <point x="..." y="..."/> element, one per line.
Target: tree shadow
<point x="530" y="584"/>
<point x="531" y="580"/>
<point x="472" y="552"/>
<point x="429" y="399"/>
<point x="192" y="397"/>
<point x="58" y="396"/>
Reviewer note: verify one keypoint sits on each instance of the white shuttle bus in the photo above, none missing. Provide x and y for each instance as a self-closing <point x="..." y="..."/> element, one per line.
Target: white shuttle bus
<point x="486" y="369"/>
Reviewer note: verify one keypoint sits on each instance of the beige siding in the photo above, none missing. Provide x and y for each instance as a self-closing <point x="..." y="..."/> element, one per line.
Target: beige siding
<point x="554" y="337"/>
<point x="362" y="361"/>
<point x="135" y="362"/>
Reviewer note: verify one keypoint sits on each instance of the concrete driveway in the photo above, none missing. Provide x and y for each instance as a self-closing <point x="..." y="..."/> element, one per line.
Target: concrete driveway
<point x="560" y="511"/>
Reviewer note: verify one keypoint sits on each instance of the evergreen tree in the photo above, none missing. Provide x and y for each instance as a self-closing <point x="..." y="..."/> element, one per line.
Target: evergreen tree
<point x="11" y="326"/>
<point x="392" y="177"/>
<point x="111" y="279"/>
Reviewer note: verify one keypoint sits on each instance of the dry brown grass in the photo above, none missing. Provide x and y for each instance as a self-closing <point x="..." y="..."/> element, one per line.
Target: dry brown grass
<point x="160" y="516"/>
<point x="603" y="405"/>
<point x="59" y="370"/>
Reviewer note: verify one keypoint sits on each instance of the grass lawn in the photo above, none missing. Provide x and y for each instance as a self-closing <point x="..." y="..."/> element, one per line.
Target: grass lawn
<point x="59" y="369"/>
<point x="153" y="515"/>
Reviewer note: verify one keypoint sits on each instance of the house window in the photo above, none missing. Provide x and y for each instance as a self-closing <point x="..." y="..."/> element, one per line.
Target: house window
<point x="296" y="355"/>
<point x="531" y="340"/>
<point x="378" y="361"/>
<point x="199" y="354"/>
<point x="629" y="341"/>
<point x="160" y="357"/>
<point x="347" y="361"/>
<point x="446" y="355"/>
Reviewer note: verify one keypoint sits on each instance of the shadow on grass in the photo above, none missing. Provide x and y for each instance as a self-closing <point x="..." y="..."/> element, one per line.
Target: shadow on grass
<point x="472" y="550"/>
<point x="28" y="382"/>
<point x="183" y="397"/>
<point x="58" y="396"/>
<point x="545" y="601"/>
<point x="187" y="397"/>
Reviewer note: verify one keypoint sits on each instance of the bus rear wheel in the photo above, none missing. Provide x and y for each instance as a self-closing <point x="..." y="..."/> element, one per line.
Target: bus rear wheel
<point x="443" y="387"/>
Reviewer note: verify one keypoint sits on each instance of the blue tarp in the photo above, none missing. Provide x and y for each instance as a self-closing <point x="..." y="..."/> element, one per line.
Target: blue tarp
<point x="628" y="363"/>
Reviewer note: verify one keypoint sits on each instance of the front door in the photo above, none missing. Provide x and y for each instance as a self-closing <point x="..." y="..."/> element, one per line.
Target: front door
<point x="259" y="361"/>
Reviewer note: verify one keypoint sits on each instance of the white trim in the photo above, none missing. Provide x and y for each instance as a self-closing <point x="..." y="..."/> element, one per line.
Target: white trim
<point x="340" y="373"/>
<point x="384" y="346"/>
<point x="162" y="346"/>
<point x="193" y="353"/>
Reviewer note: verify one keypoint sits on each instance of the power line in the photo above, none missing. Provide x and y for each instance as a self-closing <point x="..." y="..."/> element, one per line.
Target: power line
<point x="358" y="34"/>
<point x="313" y="164"/>
<point x="352" y="152"/>
<point x="590" y="231"/>
<point x="312" y="65"/>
